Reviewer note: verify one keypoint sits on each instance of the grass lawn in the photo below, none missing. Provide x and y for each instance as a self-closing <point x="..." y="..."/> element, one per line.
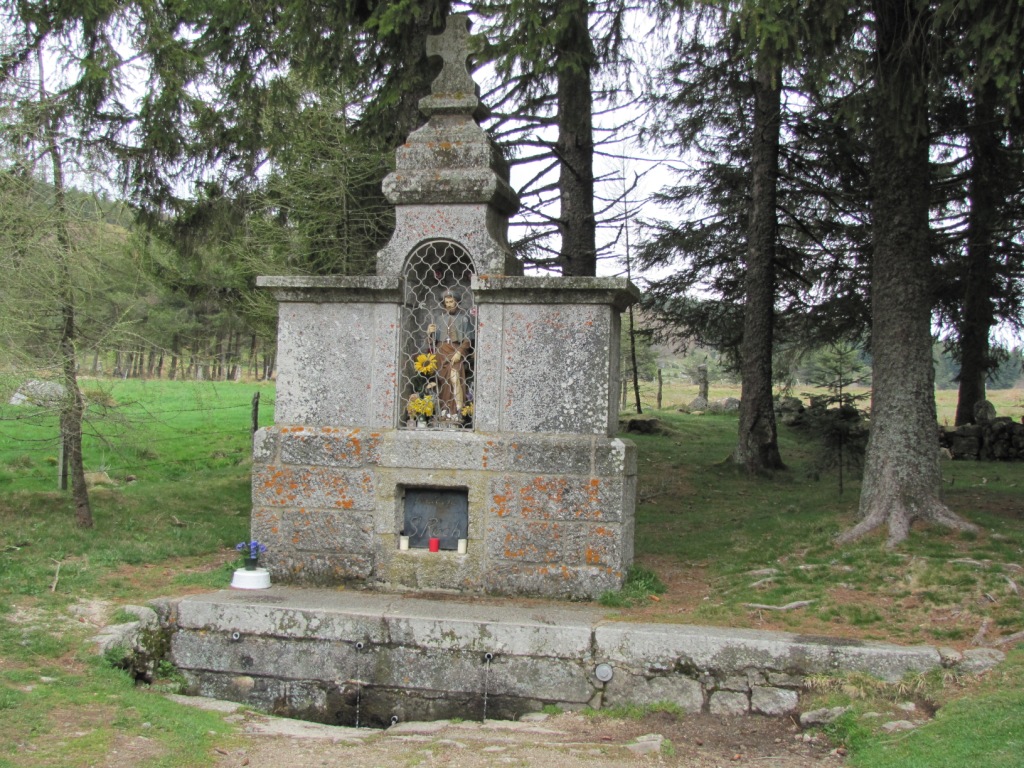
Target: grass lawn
<point x="717" y="539"/>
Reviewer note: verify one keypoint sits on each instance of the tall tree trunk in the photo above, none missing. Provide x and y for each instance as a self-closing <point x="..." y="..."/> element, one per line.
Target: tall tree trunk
<point x="252" y="364"/>
<point x="140" y="360"/>
<point x="632" y="362"/>
<point x="72" y="406"/>
<point x="575" y="144"/>
<point x="977" y="314"/>
<point x="175" y="353"/>
<point x="757" y="448"/>
<point x="901" y="472"/>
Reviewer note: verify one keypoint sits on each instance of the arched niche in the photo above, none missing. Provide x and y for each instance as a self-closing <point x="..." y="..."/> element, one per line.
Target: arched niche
<point x="439" y="323"/>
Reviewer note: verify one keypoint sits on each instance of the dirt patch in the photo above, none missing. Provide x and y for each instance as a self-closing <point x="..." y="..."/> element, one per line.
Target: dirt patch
<point x="1006" y="505"/>
<point x="133" y="750"/>
<point x="149" y="580"/>
<point x="563" y="741"/>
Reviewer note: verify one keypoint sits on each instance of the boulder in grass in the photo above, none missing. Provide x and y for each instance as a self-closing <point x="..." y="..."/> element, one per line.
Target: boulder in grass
<point x="984" y="411"/>
<point x="725" y="405"/>
<point x="35" y="392"/>
<point x="697" y="404"/>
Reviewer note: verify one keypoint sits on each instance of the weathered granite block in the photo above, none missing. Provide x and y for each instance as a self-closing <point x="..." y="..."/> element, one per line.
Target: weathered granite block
<point x="292" y="658"/>
<point x="429" y="449"/>
<point x="313" y="487"/>
<point x="540" y="454"/>
<point x="283" y="616"/>
<point x="556" y="633"/>
<point x="332" y="530"/>
<point x="329" y="446"/>
<point x="306" y="700"/>
<point x="562" y="581"/>
<point x="270" y="524"/>
<point x="606" y="546"/>
<point x="422" y="570"/>
<point x="735" y="651"/>
<point x="728" y="703"/>
<point x="317" y="568"/>
<point x="337" y="364"/>
<point x="627" y="688"/>
<point x="774" y="702"/>
<point x="537" y="542"/>
<point x="264" y="445"/>
<point x="615" y="457"/>
<point x="557" y="498"/>
<point x="556" y="375"/>
<point x="417" y="668"/>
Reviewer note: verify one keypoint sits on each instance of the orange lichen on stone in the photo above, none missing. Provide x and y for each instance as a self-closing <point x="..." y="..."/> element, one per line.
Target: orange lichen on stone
<point x="500" y="504"/>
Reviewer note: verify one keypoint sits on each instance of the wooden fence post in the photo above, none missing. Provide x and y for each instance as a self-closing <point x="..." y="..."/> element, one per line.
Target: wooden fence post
<point x="255" y="412"/>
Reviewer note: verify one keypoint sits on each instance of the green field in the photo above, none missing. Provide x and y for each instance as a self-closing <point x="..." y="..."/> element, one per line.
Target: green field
<point x="679" y="391"/>
<point x="718" y="541"/>
<point x="153" y="430"/>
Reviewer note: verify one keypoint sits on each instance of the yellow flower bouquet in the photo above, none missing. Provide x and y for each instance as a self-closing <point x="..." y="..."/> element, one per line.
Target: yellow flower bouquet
<point x="420" y="406"/>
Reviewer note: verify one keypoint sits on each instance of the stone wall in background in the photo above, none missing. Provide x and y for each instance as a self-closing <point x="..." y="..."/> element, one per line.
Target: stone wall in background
<point x="998" y="439"/>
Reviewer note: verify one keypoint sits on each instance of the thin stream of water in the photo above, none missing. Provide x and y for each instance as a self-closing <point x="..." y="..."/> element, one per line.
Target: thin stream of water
<point x="487" y="674"/>
<point x="359" y="680"/>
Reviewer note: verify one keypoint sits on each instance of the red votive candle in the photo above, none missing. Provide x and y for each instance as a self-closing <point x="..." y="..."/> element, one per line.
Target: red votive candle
<point x="435" y="545"/>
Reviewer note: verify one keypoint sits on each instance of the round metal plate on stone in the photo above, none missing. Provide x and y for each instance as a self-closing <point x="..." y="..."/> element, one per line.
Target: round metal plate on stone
<point x="603" y="672"/>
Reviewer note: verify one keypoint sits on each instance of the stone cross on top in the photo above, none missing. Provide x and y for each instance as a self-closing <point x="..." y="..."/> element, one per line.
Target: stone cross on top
<point x="453" y="91"/>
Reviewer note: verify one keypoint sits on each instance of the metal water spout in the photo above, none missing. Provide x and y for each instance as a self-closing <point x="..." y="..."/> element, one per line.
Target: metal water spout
<point x="488" y="658"/>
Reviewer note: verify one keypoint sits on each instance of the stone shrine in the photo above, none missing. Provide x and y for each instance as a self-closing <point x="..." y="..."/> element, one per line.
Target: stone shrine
<point x="448" y="423"/>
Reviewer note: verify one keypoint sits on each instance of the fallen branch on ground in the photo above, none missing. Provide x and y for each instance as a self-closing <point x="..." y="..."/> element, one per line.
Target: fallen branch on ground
<point x="787" y="607"/>
<point x="1015" y="637"/>
<point x="979" y="636"/>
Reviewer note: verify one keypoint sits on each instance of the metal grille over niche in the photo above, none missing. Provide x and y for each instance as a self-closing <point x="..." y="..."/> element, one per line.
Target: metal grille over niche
<point x="439" y="336"/>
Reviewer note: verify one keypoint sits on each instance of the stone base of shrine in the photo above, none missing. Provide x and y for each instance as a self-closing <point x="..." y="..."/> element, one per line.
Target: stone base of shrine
<point x="547" y="515"/>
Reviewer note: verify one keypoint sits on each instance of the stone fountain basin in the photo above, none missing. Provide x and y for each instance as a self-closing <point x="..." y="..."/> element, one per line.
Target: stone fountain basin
<point x="343" y="656"/>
